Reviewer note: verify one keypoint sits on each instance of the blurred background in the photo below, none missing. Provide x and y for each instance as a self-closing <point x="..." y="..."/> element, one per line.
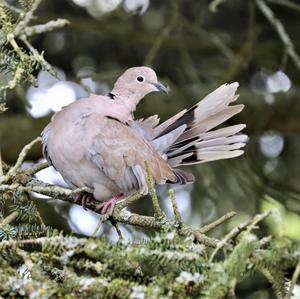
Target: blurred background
<point x="194" y="46"/>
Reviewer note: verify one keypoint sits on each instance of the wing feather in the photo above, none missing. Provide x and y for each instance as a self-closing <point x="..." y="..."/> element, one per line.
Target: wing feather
<point x="120" y="152"/>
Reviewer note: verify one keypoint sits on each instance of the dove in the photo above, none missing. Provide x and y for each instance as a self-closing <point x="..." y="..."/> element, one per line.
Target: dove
<point x="95" y="142"/>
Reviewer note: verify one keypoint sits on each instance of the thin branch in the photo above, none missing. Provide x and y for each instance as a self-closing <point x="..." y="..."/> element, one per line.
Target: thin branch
<point x="276" y="23"/>
<point x="102" y="220"/>
<point x="258" y="218"/>
<point x="213" y="6"/>
<point x="175" y="207"/>
<point x="55" y="192"/>
<point x="12" y="8"/>
<point x="39" y="57"/>
<point x="10" y="218"/>
<point x="294" y="280"/>
<point x="122" y="216"/>
<point x="264" y="241"/>
<point x="36" y="168"/>
<point x="157" y="210"/>
<point x="26" y="18"/>
<point x="18" y="28"/>
<point x="42" y="28"/>
<point x="13" y="170"/>
<point x="248" y="226"/>
<point x="287" y="3"/>
<point x="201" y="238"/>
<point x="217" y="222"/>
<point x="126" y="202"/>
<point x="117" y="228"/>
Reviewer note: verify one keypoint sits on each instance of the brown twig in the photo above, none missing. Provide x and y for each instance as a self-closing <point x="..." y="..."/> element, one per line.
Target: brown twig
<point x="175" y="207"/>
<point x="36" y="168"/>
<point x="10" y="218"/>
<point x="117" y="228"/>
<point x="214" y="224"/>
<point x="248" y="226"/>
<point x="294" y="280"/>
<point x="157" y="210"/>
<point x="13" y="170"/>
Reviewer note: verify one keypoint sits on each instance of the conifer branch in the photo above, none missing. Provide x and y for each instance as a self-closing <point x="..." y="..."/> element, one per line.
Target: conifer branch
<point x="157" y="210"/>
<point x="13" y="170"/>
<point x="176" y="212"/>
<point x="248" y="226"/>
<point x="10" y="218"/>
<point x="36" y="168"/>
<point x="214" y="224"/>
<point x="19" y="61"/>
<point x="43" y="28"/>
<point x="294" y="280"/>
<point x="283" y="35"/>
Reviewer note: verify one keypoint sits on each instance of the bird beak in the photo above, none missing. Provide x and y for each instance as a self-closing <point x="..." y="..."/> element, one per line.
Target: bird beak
<point x="160" y="87"/>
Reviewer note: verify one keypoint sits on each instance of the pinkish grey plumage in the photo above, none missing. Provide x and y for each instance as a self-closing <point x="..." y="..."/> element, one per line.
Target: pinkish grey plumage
<point x="96" y="142"/>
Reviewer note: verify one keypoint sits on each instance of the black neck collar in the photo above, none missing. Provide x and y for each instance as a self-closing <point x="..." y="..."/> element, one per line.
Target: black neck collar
<point x="111" y="95"/>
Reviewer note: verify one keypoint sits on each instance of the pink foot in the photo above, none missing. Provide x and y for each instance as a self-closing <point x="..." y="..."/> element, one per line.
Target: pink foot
<point x="108" y="206"/>
<point x="84" y="199"/>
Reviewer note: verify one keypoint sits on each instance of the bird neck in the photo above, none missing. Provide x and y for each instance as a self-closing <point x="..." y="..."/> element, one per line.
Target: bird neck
<point x="126" y="98"/>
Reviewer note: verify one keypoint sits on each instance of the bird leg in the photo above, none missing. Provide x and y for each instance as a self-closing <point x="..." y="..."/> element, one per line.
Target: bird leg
<point x="84" y="198"/>
<point x="108" y="206"/>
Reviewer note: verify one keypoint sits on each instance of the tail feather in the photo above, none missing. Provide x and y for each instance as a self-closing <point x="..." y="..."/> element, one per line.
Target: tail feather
<point x="225" y="147"/>
<point x="211" y="122"/>
<point x="182" y="177"/>
<point x="162" y="143"/>
<point x="173" y="151"/>
<point x="206" y="156"/>
<point x="190" y="137"/>
<point x="223" y="132"/>
<point x="177" y="161"/>
<point x="162" y="128"/>
<point x="220" y="141"/>
<point x="216" y="101"/>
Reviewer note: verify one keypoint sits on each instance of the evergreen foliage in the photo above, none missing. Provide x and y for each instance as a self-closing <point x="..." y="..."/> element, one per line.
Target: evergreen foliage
<point x="37" y="261"/>
<point x="168" y="266"/>
<point x="18" y="58"/>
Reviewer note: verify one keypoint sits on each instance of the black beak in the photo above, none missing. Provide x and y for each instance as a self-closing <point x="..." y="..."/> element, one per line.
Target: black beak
<point x="160" y="87"/>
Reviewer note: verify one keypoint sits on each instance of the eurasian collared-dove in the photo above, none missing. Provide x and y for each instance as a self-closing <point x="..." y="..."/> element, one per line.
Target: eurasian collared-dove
<point x="95" y="142"/>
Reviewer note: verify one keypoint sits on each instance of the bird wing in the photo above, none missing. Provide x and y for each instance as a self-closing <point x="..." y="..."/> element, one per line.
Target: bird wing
<point x="145" y="127"/>
<point x="120" y="152"/>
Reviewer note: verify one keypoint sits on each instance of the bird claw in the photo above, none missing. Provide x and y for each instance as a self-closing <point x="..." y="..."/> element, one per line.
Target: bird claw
<point x="84" y="198"/>
<point x="108" y="206"/>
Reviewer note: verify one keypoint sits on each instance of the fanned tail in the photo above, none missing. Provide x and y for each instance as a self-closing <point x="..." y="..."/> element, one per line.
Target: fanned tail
<point x="190" y="136"/>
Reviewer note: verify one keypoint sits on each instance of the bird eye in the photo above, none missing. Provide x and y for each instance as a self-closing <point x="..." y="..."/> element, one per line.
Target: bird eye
<point x="140" y="79"/>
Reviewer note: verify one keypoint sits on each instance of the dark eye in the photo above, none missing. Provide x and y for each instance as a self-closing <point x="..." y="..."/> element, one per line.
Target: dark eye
<point x="140" y="79"/>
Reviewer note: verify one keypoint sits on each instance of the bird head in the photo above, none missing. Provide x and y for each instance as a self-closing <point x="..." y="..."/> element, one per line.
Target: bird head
<point x="138" y="82"/>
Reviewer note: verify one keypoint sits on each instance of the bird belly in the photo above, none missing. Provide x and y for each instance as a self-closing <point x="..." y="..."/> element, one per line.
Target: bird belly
<point x="85" y="174"/>
<point x="72" y="161"/>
